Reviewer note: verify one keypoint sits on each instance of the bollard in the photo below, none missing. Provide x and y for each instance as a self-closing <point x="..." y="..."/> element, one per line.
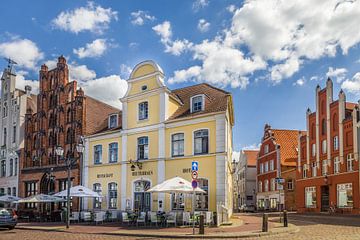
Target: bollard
<point x="201" y="224"/>
<point x="265" y="222"/>
<point x="285" y="218"/>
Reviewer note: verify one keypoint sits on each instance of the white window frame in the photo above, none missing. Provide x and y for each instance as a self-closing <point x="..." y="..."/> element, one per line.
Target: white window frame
<point x="324" y="169"/>
<point x="148" y="148"/>
<point x="266" y="166"/>
<point x="138" y="111"/>
<point x="314" y="169"/>
<point x="117" y="120"/>
<point x="323" y="146"/>
<point x="261" y="168"/>
<point x="272" y="184"/>
<point x="309" y="190"/>
<point x="271" y="165"/>
<point x="350" y="162"/>
<point x="266" y="149"/>
<point x="266" y="185"/>
<point x="341" y="188"/>
<point x="336" y="143"/>
<point x="291" y="182"/>
<point x="304" y="169"/>
<point x="202" y="103"/>
<point x="171" y="144"/>
<point x="336" y="165"/>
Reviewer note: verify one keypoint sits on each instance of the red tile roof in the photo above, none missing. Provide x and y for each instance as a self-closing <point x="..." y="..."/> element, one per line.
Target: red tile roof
<point x="288" y="141"/>
<point x="251" y="156"/>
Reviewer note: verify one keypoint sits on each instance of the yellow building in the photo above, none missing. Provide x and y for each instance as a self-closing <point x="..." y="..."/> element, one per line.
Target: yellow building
<point x="156" y="136"/>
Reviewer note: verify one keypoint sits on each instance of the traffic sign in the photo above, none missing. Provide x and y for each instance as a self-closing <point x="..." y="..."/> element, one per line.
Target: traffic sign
<point x="280" y="187"/>
<point x="194" y="183"/>
<point x="280" y="180"/>
<point x="194" y="166"/>
<point x="194" y="174"/>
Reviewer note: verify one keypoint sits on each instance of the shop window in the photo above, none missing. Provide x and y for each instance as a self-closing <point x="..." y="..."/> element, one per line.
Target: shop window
<point x="336" y="143"/>
<point x="197" y="103"/>
<point x="201" y="141"/>
<point x="30" y="189"/>
<point x="345" y="195"/>
<point x="113" y="152"/>
<point x="97" y="154"/>
<point x="143" y="148"/>
<point x="177" y="201"/>
<point x="97" y="201"/>
<point x="310" y="197"/>
<point x="112" y="195"/>
<point x="336" y="165"/>
<point x="177" y="145"/>
<point x="143" y="110"/>
<point x="202" y="199"/>
<point x="350" y="162"/>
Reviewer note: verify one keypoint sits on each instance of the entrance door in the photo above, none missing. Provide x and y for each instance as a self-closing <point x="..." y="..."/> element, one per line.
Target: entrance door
<point x="324" y="198"/>
<point x="142" y="199"/>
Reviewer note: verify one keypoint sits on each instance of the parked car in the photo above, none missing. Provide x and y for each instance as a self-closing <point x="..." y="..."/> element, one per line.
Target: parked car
<point x="8" y="218"/>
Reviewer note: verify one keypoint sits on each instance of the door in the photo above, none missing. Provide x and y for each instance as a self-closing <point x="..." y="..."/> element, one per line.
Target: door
<point x="324" y="198"/>
<point x="142" y="199"/>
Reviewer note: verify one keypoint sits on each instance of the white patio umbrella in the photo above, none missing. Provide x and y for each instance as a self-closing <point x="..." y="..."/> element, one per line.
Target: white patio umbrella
<point x="175" y="185"/>
<point x="79" y="191"/>
<point x="40" y="198"/>
<point x="9" y="198"/>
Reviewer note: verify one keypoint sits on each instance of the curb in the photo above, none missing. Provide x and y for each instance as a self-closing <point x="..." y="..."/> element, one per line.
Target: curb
<point x="291" y="229"/>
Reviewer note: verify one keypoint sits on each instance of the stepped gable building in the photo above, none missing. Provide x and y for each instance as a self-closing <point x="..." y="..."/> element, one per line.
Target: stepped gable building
<point x="277" y="159"/>
<point x="63" y="114"/>
<point x="328" y="163"/>
<point x="14" y="103"/>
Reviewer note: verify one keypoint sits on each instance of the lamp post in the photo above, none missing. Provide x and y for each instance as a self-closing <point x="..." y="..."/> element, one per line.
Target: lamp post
<point x="70" y="161"/>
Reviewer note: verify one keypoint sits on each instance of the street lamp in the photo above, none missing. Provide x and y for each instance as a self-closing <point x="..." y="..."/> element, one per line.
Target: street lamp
<point x="70" y="161"/>
<point x="135" y="163"/>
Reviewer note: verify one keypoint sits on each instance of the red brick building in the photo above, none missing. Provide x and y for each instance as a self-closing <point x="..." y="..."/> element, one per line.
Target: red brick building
<point x="277" y="159"/>
<point x="63" y="114"/>
<point x="328" y="162"/>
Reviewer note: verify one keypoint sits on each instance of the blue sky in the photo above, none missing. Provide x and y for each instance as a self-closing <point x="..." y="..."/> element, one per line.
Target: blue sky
<point x="269" y="54"/>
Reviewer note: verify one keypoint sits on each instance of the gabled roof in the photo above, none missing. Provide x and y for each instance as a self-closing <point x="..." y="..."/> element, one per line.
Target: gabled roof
<point x="288" y="141"/>
<point x="216" y="100"/>
<point x="251" y="156"/>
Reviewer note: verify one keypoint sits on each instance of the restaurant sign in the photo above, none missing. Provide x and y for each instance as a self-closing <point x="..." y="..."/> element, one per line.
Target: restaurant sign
<point x="105" y="175"/>
<point x="142" y="173"/>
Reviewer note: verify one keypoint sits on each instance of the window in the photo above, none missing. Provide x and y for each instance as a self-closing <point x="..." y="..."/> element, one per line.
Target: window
<point x="314" y="170"/>
<point x="313" y="149"/>
<point x="113" y="121"/>
<point x="290" y="184"/>
<point x="345" y="195"/>
<point x="5" y="136"/>
<point x="144" y="87"/>
<point x="177" y="201"/>
<point x="14" y="191"/>
<point x="30" y="189"/>
<point x="266" y="185"/>
<point x="113" y="152"/>
<point x="305" y="168"/>
<point x="11" y="167"/>
<point x="323" y="146"/>
<point x="324" y="167"/>
<point x="143" y="148"/>
<point x="197" y="104"/>
<point x="143" y="111"/>
<point x="97" y="201"/>
<point x="350" y="162"/>
<point x="272" y="183"/>
<point x="5" y="110"/>
<point x="310" y="197"/>
<point x="202" y="199"/>
<point x="112" y="195"/>
<point x="266" y="166"/>
<point x="14" y="134"/>
<point x="336" y="165"/>
<point x="8" y="191"/>
<point x="97" y="154"/>
<point x="3" y="169"/>
<point x="336" y="143"/>
<point x="177" y="145"/>
<point x="260" y="186"/>
<point x="201" y="141"/>
<point x="266" y="148"/>
<point x="271" y="165"/>
<point x="261" y="168"/>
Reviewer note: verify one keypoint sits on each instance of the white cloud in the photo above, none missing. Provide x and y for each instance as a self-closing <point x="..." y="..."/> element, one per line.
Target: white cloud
<point x="203" y="25"/>
<point x="199" y="4"/>
<point x="93" y="18"/>
<point x="23" y="51"/>
<point x="81" y="72"/>
<point x="140" y="17"/>
<point x="95" y="49"/>
<point x="125" y="71"/>
<point x="21" y="82"/>
<point x="176" y="47"/>
<point x="231" y="8"/>
<point x="315" y="78"/>
<point x="352" y="85"/>
<point x="338" y="73"/>
<point x="235" y="155"/>
<point x="253" y="146"/>
<point x="99" y="89"/>
<point x="300" y="82"/>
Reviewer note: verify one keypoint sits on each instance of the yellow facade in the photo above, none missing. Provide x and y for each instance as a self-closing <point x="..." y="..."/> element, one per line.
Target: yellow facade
<point x="132" y="176"/>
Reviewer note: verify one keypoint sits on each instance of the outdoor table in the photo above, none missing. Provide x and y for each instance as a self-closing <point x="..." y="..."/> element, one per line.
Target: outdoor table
<point x="132" y="217"/>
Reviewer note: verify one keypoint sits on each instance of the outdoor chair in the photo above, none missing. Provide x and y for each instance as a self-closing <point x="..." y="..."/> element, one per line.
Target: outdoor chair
<point x="186" y="218"/>
<point x="171" y="219"/>
<point x="74" y="216"/>
<point x="125" y="218"/>
<point x="99" y="217"/>
<point x="141" y="219"/>
<point x="154" y="218"/>
<point x="208" y="218"/>
<point x="113" y="215"/>
<point x="86" y="216"/>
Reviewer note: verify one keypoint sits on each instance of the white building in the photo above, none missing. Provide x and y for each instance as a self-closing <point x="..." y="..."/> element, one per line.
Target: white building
<point x="14" y="103"/>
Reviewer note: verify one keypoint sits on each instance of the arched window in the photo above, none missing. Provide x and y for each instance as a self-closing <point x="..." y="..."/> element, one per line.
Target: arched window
<point x="335" y="122"/>
<point x="323" y="126"/>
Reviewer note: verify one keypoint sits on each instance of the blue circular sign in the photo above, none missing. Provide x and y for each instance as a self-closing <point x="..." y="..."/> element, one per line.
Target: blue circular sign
<point x="194" y="183"/>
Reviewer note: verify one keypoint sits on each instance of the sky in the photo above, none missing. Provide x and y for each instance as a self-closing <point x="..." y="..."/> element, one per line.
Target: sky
<point x="270" y="54"/>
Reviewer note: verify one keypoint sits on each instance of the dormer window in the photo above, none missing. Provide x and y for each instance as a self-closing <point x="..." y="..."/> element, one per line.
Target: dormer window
<point x="197" y="103"/>
<point x="113" y="121"/>
<point x="144" y="87"/>
<point x="143" y="111"/>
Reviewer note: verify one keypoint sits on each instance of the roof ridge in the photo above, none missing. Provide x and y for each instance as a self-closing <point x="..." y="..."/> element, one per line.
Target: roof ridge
<point x="290" y="130"/>
<point x="207" y="84"/>
<point x="103" y="103"/>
